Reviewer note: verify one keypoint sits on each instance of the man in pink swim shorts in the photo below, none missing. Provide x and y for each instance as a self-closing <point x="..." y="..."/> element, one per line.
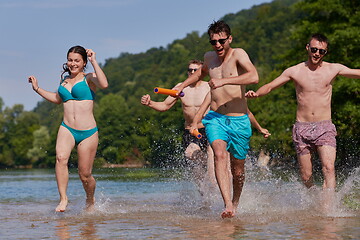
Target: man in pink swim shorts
<point x="308" y="135"/>
<point x="313" y="129"/>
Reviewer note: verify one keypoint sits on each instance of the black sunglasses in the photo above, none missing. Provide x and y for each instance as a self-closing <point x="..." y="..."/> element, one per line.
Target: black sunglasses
<point x="192" y="69"/>
<point x="321" y="51"/>
<point x="221" y="41"/>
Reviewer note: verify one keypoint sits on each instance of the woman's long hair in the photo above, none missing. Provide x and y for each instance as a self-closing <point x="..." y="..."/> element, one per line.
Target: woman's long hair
<point x="76" y="49"/>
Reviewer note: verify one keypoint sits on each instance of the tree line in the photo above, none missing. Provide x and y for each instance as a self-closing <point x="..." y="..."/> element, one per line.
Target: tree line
<point x="273" y="34"/>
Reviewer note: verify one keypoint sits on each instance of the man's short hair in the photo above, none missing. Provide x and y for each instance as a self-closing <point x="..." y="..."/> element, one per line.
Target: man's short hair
<point x="218" y="27"/>
<point x="319" y="37"/>
<point x="195" y="61"/>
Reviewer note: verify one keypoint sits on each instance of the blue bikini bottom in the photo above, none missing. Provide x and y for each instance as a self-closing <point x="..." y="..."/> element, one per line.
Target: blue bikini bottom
<point x="80" y="135"/>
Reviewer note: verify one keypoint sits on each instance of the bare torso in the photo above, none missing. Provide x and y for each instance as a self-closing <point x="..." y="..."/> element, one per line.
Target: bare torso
<point x="79" y="114"/>
<point x="194" y="97"/>
<point x="313" y="91"/>
<point x="228" y="99"/>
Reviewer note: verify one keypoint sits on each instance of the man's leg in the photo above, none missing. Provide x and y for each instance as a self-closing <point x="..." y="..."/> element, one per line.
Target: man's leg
<point x="198" y="164"/>
<point x="305" y="166"/>
<point x="210" y="166"/>
<point x="223" y="176"/>
<point x="238" y="178"/>
<point x="327" y="156"/>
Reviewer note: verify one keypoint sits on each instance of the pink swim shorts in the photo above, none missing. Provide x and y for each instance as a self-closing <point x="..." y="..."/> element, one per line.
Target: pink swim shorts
<point x="308" y="135"/>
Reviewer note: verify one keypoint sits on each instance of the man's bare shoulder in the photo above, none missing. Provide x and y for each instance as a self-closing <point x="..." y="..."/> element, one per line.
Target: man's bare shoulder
<point x="295" y="68"/>
<point x="240" y="55"/>
<point x="204" y="84"/>
<point x="336" y="66"/>
<point x="239" y="51"/>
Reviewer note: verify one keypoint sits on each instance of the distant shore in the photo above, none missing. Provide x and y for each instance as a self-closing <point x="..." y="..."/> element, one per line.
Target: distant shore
<point x="124" y="165"/>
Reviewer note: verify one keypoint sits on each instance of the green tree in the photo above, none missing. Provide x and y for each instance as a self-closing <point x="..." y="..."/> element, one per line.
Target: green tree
<point x="273" y="34"/>
<point x="18" y="129"/>
<point x="113" y="121"/>
<point x="40" y="143"/>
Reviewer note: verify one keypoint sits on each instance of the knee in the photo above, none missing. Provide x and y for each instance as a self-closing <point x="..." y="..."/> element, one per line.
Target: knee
<point x="62" y="159"/>
<point x="306" y="174"/>
<point x="328" y="168"/>
<point x="220" y="156"/>
<point x="192" y="151"/>
<point x="238" y="174"/>
<point x="238" y="171"/>
<point x="85" y="176"/>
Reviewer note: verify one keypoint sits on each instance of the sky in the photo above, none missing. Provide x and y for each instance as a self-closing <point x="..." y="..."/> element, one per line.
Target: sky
<point x="36" y="34"/>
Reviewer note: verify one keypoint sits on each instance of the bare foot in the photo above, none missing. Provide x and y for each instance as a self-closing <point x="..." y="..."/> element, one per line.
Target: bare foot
<point x="229" y="212"/>
<point x="62" y="206"/>
<point x="90" y="205"/>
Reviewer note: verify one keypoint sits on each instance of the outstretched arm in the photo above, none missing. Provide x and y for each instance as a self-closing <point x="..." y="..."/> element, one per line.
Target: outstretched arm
<point x="348" y="72"/>
<point x="50" y="96"/>
<point x="158" y="106"/>
<point x="256" y="124"/>
<point x="267" y="88"/>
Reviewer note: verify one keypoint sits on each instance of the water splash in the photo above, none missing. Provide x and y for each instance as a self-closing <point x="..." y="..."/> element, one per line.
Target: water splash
<point x="349" y="192"/>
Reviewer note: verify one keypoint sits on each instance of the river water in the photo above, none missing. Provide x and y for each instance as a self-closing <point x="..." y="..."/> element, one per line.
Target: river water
<point x="161" y="204"/>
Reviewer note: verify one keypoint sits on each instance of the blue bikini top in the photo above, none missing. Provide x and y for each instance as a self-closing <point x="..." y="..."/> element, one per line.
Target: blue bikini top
<point x="80" y="91"/>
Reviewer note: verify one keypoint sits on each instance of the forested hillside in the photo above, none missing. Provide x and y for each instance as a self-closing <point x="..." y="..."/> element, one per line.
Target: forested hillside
<point x="273" y="34"/>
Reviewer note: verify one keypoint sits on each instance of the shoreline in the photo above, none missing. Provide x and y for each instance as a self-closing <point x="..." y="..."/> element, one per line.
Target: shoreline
<point x="124" y="165"/>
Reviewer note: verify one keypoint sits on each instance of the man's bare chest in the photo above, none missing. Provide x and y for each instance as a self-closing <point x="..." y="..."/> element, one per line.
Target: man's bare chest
<point x="194" y="97"/>
<point x="223" y="72"/>
<point x="315" y="81"/>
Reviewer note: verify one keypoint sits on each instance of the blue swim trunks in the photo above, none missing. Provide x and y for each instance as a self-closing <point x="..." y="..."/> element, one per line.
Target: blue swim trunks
<point x="235" y="131"/>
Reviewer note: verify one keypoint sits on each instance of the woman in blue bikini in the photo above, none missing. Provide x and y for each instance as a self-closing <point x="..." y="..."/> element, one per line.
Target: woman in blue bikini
<point x="77" y="92"/>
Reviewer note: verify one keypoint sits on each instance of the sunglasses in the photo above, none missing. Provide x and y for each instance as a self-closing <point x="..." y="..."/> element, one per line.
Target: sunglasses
<point x="192" y="69"/>
<point x="321" y="51"/>
<point x="221" y="41"/>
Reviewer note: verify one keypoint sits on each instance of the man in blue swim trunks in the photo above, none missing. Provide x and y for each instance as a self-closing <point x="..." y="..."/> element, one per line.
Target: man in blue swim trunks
<point x="227" y="124"/>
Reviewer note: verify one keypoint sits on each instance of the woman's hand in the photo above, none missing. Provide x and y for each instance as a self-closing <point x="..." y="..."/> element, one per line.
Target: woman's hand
<point x="91" y="55"/>
<point x="34" y="83"/>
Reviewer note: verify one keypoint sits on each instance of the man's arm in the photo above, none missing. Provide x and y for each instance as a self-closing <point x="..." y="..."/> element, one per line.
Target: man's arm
<point x="200" y="113"/>
<point x="348" y="72"/>
<point x="250" y="75"/>
<point x="196" y="76"/>
<point x="158" y="106"/>
<point x="267" y="88"/>
<point x="257" y="125"/>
